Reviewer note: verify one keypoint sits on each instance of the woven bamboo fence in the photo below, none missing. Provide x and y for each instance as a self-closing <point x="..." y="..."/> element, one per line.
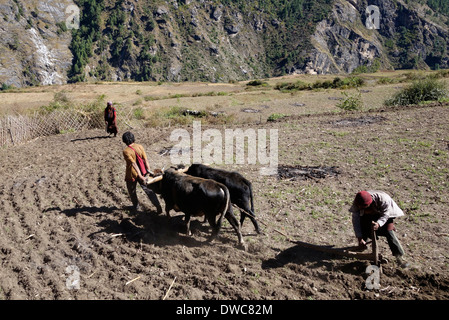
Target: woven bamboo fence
<point x="17" y="129"/>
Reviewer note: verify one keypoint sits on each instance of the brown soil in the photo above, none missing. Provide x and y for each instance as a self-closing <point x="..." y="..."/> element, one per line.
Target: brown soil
<point x="64" y="205"/>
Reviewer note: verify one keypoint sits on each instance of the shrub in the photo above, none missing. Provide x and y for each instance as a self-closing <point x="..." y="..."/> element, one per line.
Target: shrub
<point x="353" y="82"/>
<point x="139" y="114"/>
<point x="351" y="102"/>
<point x="257" y="83"/>
<point x="276" y="116"/>
<point x="289" y="86"/>
<point x="97" y="106"/>
<point x="5" y="87"/>
<point x="60" y="101"/>
<point x="418" y="92"/>
<point x="337" y="83"/>
<point x="318" y="84"/>
<point x="385" y="80"/>
<point x="327" y="84"/>
<point x="372" y="68"/>
<point x="440" y="74"/>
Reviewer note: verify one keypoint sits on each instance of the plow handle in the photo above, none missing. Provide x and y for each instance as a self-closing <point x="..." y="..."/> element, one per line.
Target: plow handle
<point x="375" y="252"/>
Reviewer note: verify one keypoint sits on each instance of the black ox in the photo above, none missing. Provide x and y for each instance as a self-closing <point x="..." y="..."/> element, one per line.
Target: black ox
<point x="240" y="189"/>
<point x="196" y="197"/>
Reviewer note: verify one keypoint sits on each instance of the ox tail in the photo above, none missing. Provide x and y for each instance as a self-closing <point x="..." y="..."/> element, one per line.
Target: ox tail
<point x="228" y="203"/>
<point x="251" y="196"/>
<point x="253" y="214"/>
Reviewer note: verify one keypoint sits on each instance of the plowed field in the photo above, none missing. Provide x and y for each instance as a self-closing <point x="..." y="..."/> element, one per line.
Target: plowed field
<point x="67" y="231"/>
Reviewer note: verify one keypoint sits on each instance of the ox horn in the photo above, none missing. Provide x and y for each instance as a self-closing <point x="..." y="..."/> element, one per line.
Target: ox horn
<point x="159" y="178"/>
<point x="183" y="170"/>
<point x="153" y="180"/>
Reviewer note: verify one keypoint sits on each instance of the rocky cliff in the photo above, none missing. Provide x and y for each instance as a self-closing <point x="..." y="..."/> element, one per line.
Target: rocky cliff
<point x="212" y="40"/>
<point x="33" y="50"/>
<point x="405" y="38"/>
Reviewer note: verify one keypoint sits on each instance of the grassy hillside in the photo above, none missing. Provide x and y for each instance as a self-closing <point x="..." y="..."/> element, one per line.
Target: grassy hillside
<point x="142" y="37"/>
<point x="225" y="40"/>
<point x="439" y="6"/>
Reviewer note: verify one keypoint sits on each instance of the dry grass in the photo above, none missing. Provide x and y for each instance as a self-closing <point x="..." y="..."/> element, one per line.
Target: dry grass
<point x="230" y="98"/>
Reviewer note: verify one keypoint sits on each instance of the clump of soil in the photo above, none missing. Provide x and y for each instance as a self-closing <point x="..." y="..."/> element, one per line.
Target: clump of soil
<point x="306" y="172"/>
<point x="251" y="110"/>
<point x="361" y="121"/>
<point x="167" y="151"/>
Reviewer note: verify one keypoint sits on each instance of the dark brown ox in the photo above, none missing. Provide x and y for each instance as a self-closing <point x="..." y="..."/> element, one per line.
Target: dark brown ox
<point x="240" y="189"/>
<point x="196" y="197"/>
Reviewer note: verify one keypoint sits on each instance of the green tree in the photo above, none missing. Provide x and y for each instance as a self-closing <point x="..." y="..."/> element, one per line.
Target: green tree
<point x="83" y="38"/>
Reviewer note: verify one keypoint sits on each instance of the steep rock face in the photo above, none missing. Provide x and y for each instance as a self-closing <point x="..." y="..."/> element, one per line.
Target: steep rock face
<point x="342" y="43"/>
<point x="183" y="41"/>
<point x="410" y="38"/>
<point x="33" y="50"/>
<point x="210" y="40"/>
<point x="404" y="39"/>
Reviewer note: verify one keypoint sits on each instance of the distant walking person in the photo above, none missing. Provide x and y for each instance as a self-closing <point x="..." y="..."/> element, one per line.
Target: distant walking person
<point x="110" y="118"/>
<point x="377" y="210"/>
<point x="137" y="167"/>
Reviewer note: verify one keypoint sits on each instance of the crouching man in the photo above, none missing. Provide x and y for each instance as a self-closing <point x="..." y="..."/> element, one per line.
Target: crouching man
<point x="376" y="210"/>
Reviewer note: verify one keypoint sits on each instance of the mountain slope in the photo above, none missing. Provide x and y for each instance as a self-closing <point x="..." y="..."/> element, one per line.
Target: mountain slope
<point x="406" y="39"/>
<point x="33" y="49"/>
<point x="215" y="40"/>
<point x="193" y="40"/>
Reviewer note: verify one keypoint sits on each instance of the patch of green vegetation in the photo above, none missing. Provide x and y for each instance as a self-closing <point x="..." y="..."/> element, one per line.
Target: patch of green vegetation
<point x="337" y="83"/>
<point x="340" y="134"/>
<point x="371" y="68"/>
<point x="257" y="83"/>
<point x="124" y="39"/>
<point x="386" y="80"/>
<point x="83" y="38"/>
<point x="276" y="116"/>
<point x="351" y="102"/>
<point x="187" y="95"/>
<point x="61" y="101"/>
<point x="440" y="6"/>
<point x="420" y="91"/>
<point x="138" y="114"/>
<point x="5" y="87"/>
